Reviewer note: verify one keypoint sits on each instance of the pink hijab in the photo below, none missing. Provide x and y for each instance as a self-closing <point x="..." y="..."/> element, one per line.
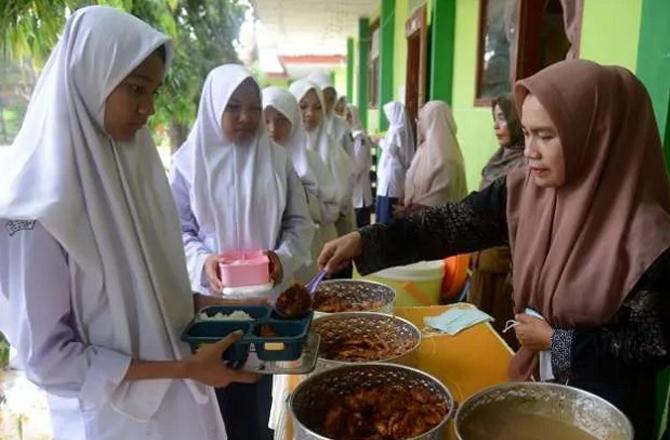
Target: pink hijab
<point x="579" y="249"/>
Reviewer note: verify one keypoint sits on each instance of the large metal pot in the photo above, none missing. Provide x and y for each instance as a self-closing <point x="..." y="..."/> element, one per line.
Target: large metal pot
<point x="571" y="406"/>
<point x="310" y="400"/>
<point x="364" y="325"/>
<point x="358" y="292"/>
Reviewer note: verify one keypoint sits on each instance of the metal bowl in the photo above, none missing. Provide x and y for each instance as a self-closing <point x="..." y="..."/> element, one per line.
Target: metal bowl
<point x="395" y="331"/>
<point x="571" y="406"/>
<point x="357" y="292"/>
<point x="309" y="402"/>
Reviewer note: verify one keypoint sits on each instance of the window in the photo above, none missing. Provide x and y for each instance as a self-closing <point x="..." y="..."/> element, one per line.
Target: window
<point x="373" y="67"/>
<point x="497" y="41"/>
<point x="516" y="39"/>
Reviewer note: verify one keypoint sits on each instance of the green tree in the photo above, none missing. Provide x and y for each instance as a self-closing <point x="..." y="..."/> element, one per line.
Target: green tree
<point x="207" y="33"/>
<point x="17" y="80"/>
<point x="204" y="34"/>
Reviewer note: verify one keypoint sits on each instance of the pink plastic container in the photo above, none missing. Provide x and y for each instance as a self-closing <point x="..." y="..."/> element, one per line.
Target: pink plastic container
<point x="244" y="268"/>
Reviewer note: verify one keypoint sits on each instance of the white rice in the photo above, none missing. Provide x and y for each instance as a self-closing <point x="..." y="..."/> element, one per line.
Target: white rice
<point x="237" y="315"/>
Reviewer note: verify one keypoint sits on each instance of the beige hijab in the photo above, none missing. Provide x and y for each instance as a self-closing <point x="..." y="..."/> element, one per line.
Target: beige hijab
<point x="581" y="248"/>
<point x="437" y="173"/>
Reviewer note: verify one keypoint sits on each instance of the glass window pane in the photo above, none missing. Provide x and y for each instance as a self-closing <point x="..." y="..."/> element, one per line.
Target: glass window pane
<point x="497" y="44"/>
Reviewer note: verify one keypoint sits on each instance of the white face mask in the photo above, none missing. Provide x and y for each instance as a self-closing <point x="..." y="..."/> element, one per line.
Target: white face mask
<point x="456" y="319"/>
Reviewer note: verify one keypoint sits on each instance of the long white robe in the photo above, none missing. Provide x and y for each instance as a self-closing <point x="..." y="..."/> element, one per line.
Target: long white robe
<point x="80" y="378"/>
<point x="92" y="266"/>
<point x="397" y="151"/>
<point x="322" y="192"/>
<point x="237" y="197"/>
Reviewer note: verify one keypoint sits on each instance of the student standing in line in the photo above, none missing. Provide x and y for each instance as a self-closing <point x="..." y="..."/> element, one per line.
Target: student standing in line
<point x="363" y="164"/>
<point x="284" y="124"/>
<point x="437" y="172"/>
<point x="236" y="190"/>
<point x="91" y="265"/>
<point x="397" y="151"/>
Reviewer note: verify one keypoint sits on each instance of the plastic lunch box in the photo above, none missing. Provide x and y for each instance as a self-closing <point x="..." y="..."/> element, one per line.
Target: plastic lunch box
<point x="287" y="346"/>
<point x="244" y="268"/>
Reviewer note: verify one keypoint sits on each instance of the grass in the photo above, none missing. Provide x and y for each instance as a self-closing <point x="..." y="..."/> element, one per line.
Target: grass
<point x="4" y="352"/>
<point x="13" y="117"/>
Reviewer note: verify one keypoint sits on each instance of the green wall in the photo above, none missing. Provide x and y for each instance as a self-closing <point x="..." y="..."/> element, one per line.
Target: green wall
<point x="265" y="81"/>
<point x="386" y="55"/>
<point x="443" y="21"/>
<point x="340" y="79"/>
<point x="350" y="69"/>
<point x="400" y="45"/>
<point x="610" y="34"/>
<point x="373" y="121"/>
<point x="362" y="70"/>
<point x="653" y="62"/>
<point x="475" y="127"/>
<point x="610" y="31"/>
<point x="354" y="90"/>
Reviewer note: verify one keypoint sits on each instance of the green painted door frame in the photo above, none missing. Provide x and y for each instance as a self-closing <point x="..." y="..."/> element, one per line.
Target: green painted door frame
<point x="653" y="68"/>
<point x="350" y="70"/>
<point x="653" y="63"/>
<point x="386" y="40"/>
<point x="443" y="25"/>
<point x="363" y="48"/>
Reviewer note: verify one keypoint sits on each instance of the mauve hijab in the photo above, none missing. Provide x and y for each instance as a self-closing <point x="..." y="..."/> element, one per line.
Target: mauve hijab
<point x="581" y="247"/>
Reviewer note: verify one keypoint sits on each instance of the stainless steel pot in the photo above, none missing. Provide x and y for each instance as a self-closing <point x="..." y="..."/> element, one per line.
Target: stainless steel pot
<point x="569" y="405"/>
<point x="309" y="401"/>
<point x="358" y="291"/>
<point x="363" y="325"/>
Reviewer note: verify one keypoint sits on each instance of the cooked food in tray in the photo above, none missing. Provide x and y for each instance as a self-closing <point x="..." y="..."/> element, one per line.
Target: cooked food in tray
<point x="385" y="412"/>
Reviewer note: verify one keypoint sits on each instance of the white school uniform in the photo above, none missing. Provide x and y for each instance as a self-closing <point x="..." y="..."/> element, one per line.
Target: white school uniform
<point x="91" y="265"/>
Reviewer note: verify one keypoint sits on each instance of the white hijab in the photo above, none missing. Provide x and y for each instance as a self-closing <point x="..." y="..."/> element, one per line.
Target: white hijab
<point x="335" y="125"/>
<point x="317" y="140"/>
<point x="238" y="192"/>
<point x="339" y="162"/>
<point x="282" y="101"/>
<point x="356" y="125"/>
<point x="107" y="203"/>
<point x="285" y="103"/>
<point x="399" y="131"/>
<point x="324" y="81"/>
<point x="437" y="173"/>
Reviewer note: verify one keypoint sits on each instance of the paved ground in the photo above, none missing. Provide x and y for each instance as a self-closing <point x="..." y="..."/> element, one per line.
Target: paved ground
<point x="23" y="413"/>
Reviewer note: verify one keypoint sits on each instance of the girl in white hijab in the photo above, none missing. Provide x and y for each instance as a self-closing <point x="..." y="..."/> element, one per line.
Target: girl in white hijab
<point x="437" y="173"/>
<point x="310" y="101"/>
<point x="236" y="190"/>
<point x="91" y="266"/>
<point x="363" y="159"/>
<point x="397" y="150"/>
<point x="335" y="124"/>
<point x="284" y="124"/>
<point x="340" y="107"/>
<point x="338" y="129"/>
